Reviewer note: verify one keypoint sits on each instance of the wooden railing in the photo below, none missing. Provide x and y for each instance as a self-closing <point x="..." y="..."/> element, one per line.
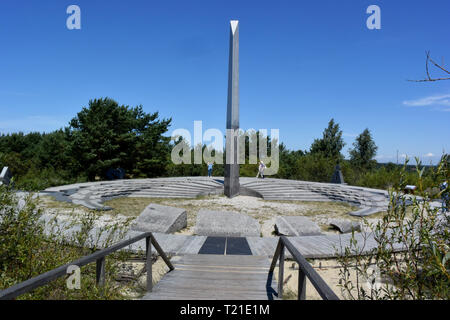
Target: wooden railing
<point x="99" y="257"/>
<point x="305" y="270"/>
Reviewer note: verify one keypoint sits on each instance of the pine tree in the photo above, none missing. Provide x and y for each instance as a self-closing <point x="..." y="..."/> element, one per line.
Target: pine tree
<point x="106" y="135"/>
<point x="364" y="150"/>
<point x="331" y="143"/>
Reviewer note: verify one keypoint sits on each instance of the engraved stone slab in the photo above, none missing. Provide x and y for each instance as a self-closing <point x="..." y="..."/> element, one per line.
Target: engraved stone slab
<point x="158" y="218"/>
<point x="345" y="226"/>
<point x="296" y="226"/>
<point x="226" y="224"/>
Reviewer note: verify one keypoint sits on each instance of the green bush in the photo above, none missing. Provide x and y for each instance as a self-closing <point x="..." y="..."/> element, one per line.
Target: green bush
<point x="27" y="251"/>
<point x="421" y="269"/>
<point x="314" y="167"/>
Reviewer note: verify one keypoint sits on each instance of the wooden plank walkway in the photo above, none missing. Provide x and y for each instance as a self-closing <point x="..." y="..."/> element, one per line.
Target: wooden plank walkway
<point x="216" y="277"/>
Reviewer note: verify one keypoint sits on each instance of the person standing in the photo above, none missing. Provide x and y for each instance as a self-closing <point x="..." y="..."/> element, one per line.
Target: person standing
<point x="261" y="168"/>
<point x="210" y="168"/>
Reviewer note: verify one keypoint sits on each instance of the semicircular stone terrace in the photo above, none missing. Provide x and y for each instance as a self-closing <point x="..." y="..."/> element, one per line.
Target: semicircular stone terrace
<point x="93" y="194"/>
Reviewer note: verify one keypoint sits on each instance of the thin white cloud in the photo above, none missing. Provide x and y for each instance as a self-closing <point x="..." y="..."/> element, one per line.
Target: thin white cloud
<point x="437" y="100"/>
<point x="429" y="154"/>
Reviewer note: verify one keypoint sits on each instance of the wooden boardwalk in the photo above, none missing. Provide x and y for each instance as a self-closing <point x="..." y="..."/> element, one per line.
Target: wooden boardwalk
<point x="216" y="277"/>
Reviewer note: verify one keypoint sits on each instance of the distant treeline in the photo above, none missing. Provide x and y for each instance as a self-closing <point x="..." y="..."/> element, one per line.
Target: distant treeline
<point x="106" y="135"/>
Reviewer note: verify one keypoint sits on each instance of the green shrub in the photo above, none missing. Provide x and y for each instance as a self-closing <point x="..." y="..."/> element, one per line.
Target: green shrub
<point x="421" y="270"/>
<point x="27" y="251"/>
<point x="314" y="167"/>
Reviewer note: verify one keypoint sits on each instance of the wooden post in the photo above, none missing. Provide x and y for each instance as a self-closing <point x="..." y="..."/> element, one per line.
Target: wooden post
<point x="148" y="253"/>
<point x="100" y="272"/>
<point x="161" y="252"/>
<point x="281" y="272"/>
<point x="301" y="284"/>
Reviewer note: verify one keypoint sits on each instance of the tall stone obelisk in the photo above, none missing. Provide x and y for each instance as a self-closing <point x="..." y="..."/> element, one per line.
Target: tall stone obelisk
<point x="231" y="183"/>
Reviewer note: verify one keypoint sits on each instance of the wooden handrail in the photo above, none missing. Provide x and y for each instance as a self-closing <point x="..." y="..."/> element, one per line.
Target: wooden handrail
<point x="99" y="257"/>
<point x="305" y="270"/>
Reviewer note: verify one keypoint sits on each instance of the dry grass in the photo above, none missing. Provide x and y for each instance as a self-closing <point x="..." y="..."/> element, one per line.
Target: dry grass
<point x="51" y="203"/>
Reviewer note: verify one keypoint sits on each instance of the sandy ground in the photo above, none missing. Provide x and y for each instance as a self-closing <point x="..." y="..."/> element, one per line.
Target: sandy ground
<point x="135" y="276"/>
<point x="262" y="210"/>
<point x="126" y="209"/>
<point x="70" y="211"/>
<point x="328" y="269"/>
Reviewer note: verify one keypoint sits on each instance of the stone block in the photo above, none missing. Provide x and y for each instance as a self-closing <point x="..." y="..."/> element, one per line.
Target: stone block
<point x="296" y="226"/>
<point x="226" y="224"/>
<point x="158" y="218"/>
<point x="345" y="226"/>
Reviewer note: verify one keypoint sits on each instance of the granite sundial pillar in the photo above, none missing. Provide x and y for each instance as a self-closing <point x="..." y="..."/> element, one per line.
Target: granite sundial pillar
<point x="231" y="183"/>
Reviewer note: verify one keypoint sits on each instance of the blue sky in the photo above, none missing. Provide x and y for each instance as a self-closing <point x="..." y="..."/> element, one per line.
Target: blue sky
<point x="301" y="64"/>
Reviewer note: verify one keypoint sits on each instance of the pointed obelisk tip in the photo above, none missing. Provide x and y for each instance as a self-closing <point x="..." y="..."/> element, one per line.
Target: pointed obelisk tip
<point x="234" y="25"/>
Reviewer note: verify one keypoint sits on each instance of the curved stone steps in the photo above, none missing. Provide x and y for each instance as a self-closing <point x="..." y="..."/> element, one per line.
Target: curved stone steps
<point x="170" y="189"/>
<point x="294" y="198"/>
<point x="92" y="194"/>
<point x="162" y="195"/>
